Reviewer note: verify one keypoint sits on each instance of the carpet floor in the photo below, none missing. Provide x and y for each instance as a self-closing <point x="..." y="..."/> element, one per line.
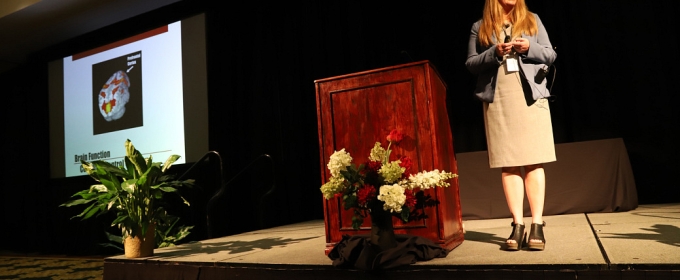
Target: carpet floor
<point x="36" y="268"/>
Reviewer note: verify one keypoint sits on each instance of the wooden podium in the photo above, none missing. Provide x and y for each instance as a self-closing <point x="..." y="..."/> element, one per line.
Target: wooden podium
<point x="356" y="110"/>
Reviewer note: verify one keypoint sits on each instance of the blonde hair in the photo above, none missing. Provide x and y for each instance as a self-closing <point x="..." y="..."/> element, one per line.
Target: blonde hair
<point x="522" y="21"/>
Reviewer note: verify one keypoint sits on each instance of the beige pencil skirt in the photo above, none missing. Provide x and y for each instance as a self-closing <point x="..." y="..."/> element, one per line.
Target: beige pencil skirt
<point x="517" y="134"/>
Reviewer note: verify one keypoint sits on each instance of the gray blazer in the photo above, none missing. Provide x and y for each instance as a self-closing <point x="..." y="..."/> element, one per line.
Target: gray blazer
<point x="484" y="63"/>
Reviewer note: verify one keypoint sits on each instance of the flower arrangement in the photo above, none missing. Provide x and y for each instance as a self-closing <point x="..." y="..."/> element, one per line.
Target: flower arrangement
<point x="381" y="184"/>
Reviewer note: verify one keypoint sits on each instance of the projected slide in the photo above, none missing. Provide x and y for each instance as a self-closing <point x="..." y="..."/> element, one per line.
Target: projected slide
<point x="131" y="89"/>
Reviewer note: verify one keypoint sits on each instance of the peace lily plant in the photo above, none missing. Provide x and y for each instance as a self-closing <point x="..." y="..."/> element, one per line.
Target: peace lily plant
<point x="135" y="192"/>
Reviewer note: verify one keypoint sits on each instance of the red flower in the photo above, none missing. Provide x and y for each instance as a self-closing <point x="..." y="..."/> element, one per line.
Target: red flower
<point x="410" y="199"/>
<point x="395" y="136"/>
<point x="373" y="166"/>
<point x="407" y="163"/>
<point x="365" y="194"/>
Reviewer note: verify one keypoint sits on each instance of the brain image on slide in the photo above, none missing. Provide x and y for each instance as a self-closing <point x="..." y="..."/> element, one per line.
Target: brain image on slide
<point x="117" y="93"/>
<point x="114" y="95"/>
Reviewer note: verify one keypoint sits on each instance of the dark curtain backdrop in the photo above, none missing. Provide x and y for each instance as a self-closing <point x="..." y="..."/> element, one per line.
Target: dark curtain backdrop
<point x="616" y="78"/>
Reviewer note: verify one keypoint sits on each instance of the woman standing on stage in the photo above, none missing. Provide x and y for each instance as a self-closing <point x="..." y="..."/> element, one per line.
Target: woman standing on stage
<point x="509" y="51"/>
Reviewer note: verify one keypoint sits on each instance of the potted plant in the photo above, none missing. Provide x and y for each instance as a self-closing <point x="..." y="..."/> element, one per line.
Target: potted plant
<point x="135" y="192"/>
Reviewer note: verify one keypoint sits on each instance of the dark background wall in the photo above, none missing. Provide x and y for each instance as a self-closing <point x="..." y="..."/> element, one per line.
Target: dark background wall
<point x="616" y="78"/>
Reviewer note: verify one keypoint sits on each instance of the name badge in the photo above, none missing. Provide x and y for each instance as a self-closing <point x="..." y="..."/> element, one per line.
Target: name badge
<point x="511" y="64"/>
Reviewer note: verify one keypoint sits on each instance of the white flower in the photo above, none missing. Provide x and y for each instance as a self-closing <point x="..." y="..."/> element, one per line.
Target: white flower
<point x="428" y="179"/>
<point x="338" y="162"/>
<point x="393" y="196"/>
<point x="377" y="153"/>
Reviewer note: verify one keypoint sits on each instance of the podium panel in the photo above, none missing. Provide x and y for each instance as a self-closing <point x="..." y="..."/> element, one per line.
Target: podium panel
<point x="356" y="110"/>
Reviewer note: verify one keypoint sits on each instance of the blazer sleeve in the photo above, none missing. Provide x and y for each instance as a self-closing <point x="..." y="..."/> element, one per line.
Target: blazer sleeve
<point x="541" y="51"/>
<point x="479" y="58"/>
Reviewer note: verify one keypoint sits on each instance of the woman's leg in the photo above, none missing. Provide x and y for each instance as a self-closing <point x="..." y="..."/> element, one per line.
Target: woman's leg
<point x="514" y="193"/>
<point x="534" y="181"/>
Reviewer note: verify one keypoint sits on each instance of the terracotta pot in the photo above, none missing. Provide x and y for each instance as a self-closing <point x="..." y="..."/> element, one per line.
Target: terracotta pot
<point x="136" y="247"/>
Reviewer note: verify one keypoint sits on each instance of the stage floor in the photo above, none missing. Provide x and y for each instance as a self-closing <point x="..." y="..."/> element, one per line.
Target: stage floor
<point x="640" y="244"/>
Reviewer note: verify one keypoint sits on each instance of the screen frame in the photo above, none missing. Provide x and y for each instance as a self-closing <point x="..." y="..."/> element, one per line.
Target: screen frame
<point x="195" y="97"/>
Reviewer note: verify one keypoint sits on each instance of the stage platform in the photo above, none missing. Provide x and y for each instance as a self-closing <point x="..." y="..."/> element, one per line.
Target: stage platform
<point x="639" y="244"/>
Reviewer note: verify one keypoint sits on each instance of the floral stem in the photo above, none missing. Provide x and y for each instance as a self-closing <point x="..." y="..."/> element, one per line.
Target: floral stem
<point x="387" y="153"/>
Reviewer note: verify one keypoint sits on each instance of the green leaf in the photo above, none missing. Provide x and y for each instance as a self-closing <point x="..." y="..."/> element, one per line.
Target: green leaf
<point x="99" y="209"/>
<point x="104" y="167"/>
<point x="182" y="232"/>
<point x="167" y="234"/>
<point x="110" y="185"/>
<point x="166" y="178"/>
<point x="357" y="221"/>
<point x="83" y="193"/>
<point x="130" y="168"/>
<point x="149" y="161"/>
<point x="129" y="185"/>
<point x="167" y="188"/>
<point x="145" y="227"/>
<point x="77" y="202"/>
<point x="84" y="212"/>
<point x="114" y="238"/>
<point x="142" y="180"/>
<point x="135" y="157"/>
<point x="89" y="168"/>
<point x="188" y="183"/>
<point x="96" y="189"/>
<point x="169" y="162"/>
<point x="111" y="245"/>
<point x="129" y="148"/>
<point x="405" y="212"/>
<point x="120" y="219"/>
<point x="350" y="202"/>
<point x="116" y="183"/>
<point x="149" y="177"/>
<point x="347" y="175"/>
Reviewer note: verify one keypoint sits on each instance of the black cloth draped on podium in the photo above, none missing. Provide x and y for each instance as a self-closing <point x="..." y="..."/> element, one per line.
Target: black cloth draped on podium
<point x="356" y="252"/>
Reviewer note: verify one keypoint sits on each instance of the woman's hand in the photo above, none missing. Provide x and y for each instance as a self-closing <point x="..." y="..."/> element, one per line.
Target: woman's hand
<point x="503" y="49"/>
<point x="521" y="45"/>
